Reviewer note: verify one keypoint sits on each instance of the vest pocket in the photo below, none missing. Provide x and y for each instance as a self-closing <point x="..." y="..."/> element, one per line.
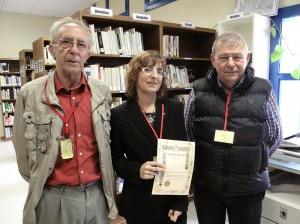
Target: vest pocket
<point x="37" y="132"/>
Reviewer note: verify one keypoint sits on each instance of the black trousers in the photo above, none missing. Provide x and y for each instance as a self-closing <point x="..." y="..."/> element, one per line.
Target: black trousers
<point x="182" y="219"/>
<point x="211" y="208"/>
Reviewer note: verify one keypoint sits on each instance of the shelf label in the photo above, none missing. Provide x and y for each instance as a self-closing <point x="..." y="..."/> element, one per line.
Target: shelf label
<point x="101" y="11"/>
<point x="188" y="24"/>
<point x="143" y="17"/>
<point x="235" y="15"/>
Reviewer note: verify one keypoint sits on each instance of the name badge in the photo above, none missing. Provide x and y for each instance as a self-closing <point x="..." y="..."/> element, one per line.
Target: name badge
<point x="66" y="149"/>
<point x="224" y="136"/>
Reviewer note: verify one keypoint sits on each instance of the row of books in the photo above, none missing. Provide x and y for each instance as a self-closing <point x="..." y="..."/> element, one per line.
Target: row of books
<point x="183" y="98"/>
<point x="10" y="80"/>
<point x="8" y="107"/>
<point x="178" y="76"/>
<point x="49" y="60"/>
<point x="8" y="120"/>
<point x="114" y="77"/>
<point x="29" y="62"/>
<point x="170" y="46"/>
<point x="116" y="41"/>
<point x="8" y="132"/>
<point x="10" y="94"/>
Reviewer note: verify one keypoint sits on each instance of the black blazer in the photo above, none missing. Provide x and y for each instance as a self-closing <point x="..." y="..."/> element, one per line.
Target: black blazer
<point x="132" y="144"/>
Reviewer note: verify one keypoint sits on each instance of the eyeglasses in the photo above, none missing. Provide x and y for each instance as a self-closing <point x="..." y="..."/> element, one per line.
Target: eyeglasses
<point x="150" y="71"/>
<point x="67" y="44"/>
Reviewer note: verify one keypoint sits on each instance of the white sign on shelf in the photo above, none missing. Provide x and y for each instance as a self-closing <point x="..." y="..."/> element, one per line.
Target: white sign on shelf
<point x="235" y="16"/>
<point x="143" y="17"/>
<point x="101" y="11"/>
<point x="188" y="24"/>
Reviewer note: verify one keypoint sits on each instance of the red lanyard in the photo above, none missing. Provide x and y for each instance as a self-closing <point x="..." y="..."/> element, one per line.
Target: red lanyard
<point x="161" y="123"/>
<point x="65" y="119"/>
<point x="226" y="111"/>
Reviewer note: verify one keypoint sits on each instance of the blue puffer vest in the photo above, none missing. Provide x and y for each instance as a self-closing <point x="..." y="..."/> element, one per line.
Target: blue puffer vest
<point x="239" y="168"/>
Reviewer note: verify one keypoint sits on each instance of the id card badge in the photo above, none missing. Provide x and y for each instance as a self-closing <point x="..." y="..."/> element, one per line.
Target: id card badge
<point x="224" y="136"/>
<point x="66" y="148"/>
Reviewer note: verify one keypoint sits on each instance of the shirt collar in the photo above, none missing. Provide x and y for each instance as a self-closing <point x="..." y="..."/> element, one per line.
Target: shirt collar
<point x="60" y="88"/>
<point x="236" y="85"/>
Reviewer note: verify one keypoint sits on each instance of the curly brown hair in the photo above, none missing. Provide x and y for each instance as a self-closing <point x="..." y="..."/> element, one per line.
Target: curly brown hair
<point x="144" y="59"/>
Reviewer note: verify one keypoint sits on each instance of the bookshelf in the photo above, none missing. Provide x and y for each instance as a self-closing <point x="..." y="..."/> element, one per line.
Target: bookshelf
<point x="256" y="31"/>
<point x="193" y="57"/>
<point x="26" y="65"/>
<point x="10" y="84"/>
<point x="42" y="60"/>
<point x="194" y="45"/>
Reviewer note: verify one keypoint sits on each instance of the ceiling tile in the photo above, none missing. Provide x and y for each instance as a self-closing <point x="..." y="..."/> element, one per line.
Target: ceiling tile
<point x="20" y="3"/>
<point x="15" y="9"/>
<point x="57" y="8"/>
<point x="55" y="2"/>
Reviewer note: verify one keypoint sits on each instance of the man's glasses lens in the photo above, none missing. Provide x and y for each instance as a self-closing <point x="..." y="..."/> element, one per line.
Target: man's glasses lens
<point x="67" y="44"/>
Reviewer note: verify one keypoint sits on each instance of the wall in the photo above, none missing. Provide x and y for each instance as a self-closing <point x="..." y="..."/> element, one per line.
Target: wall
<point x="205" y="13"/>
<point x="27" y="28"/>
<point x="18" y="31"/>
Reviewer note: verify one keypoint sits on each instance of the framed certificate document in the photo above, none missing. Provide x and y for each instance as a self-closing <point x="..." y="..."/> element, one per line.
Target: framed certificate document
<point x="178" y="157"/>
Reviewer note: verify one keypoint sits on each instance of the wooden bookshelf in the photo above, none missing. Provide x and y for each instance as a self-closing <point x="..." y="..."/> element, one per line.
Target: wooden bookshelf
<point x="10" y="84"/>
<point x="41" y="64"/>
<point x="26" y="65"/>
<point x="194" y="44"/>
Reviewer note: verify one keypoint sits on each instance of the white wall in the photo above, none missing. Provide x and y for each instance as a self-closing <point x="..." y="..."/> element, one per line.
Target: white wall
<point x="205" y="13"/>
<point x="18" y="31"/>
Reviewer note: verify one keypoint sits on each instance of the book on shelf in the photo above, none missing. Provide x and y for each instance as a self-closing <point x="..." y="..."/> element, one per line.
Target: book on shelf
<point x="114" y="77"/>
<point x="178" y="76"/>
<point x="120" y="182"/>
<point x="134" y="41"/>
<point x="8" y="132"/>
<point x="10" y="94"/>
<point x="121" y="41"/>
<point x="4" y="67"/>
<point x="112" y="40"/>
<point x="49" y="60"/>
<point x="8" y="107"/>
<point x="183" y="98"/>
<point x="100" y="41"/>
<point x="170" y="46"/>
<point x="116" y="101"/>
<point x="8" y="119"/>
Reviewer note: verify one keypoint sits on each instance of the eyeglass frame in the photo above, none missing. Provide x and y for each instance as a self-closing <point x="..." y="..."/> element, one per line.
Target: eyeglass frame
<point x="59" y="42"/>
<point x="164" y="74"/>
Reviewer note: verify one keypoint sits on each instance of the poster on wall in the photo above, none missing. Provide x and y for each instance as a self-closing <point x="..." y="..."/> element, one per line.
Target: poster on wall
<point x="263" y="7"/>
<point x="153" y="4"/>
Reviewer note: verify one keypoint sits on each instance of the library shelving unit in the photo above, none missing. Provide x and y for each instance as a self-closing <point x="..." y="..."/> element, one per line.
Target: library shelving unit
<point x="26" y="65"/>
<point x="194" y="44"/>
<point x="256" y="31"/>
<point x="10" y="84"/>
<point x="42" y="62"/>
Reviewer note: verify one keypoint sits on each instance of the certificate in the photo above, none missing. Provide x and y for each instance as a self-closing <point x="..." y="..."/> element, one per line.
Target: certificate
<point x="178" y="157"/>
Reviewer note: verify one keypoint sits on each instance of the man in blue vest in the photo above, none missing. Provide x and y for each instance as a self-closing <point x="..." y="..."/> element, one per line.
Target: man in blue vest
<point x="233" y="118"/>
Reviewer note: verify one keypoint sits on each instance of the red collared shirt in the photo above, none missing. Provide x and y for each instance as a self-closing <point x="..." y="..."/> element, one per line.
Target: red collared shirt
<point x="84" y="167"/>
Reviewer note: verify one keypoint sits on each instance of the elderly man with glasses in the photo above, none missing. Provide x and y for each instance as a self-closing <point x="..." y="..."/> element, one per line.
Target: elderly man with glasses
<point x="61" y="137"/>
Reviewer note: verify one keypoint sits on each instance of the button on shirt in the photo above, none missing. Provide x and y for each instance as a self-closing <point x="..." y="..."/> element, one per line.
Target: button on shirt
<point x="84" y="167"/>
